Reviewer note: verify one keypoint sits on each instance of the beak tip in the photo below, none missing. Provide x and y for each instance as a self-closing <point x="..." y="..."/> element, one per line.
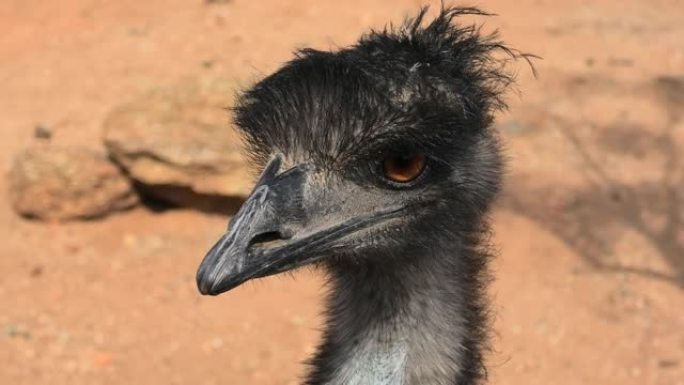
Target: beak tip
<point x="207" y="284"/>
<point x="206" y="288"/>
<point x="204" y="285"/>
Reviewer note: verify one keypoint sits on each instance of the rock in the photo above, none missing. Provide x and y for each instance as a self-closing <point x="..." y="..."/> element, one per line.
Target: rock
<point x="178" y="144"/>
<point x="42" y="132"/>
<point x="61" y="183"/>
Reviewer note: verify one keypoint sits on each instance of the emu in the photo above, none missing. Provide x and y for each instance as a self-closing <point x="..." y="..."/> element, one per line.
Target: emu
<point x="379" y="164"/>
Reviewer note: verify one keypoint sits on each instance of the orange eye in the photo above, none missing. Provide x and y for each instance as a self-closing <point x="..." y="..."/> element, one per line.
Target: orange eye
<point x="403" y="168"/>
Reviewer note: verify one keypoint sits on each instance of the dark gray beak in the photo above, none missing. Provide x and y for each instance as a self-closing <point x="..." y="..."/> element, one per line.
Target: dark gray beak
<point x="278" y="229"/>
<point x="247" y="249"/>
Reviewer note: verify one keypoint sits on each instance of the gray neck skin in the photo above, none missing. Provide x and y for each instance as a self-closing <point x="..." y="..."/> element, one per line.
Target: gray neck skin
<point x="403" y="324"/>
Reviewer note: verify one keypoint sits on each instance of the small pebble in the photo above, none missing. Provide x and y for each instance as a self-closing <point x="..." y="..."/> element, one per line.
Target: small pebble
<point x="36" y="271"/>
<point x="667" y="363"/>
<point x="42" y="132"/>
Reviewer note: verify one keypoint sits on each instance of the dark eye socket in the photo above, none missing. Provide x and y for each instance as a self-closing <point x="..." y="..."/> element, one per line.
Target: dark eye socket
<point x="403" y="168"/>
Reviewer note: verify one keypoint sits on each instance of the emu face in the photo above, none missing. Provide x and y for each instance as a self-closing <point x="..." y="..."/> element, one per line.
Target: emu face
<point x="373" y="154"/>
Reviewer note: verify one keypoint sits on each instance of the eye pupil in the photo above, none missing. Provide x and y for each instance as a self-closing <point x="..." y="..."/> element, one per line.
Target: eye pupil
<point x="403" y="168"/>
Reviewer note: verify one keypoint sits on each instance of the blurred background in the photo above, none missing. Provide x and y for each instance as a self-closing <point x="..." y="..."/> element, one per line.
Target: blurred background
<point x="97" y="268"/>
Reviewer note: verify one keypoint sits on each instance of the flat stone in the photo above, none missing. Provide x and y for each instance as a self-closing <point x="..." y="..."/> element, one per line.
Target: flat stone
<point x="178" y="144"/>
<point x="63" y="183"/>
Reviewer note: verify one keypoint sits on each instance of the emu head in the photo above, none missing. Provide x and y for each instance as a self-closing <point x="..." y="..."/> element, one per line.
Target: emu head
<point x="372" y="154"/>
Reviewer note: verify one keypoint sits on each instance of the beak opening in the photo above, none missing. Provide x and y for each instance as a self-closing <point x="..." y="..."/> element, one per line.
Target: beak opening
<point x="229" y="263"/>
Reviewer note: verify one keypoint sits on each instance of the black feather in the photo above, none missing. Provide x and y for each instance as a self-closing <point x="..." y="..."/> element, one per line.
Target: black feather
<point x="435" y="83"/>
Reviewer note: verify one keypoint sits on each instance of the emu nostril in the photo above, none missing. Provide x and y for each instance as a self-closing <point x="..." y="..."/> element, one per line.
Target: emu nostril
<point x="267" y="240"/>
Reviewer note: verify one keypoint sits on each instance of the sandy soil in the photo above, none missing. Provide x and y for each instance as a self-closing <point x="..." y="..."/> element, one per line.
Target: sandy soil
<point x="590" y="276"/>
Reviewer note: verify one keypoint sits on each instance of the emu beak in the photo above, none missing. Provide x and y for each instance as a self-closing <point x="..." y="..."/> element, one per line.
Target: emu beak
<point x="240" y="253"/>
<point x="275" y="231"/>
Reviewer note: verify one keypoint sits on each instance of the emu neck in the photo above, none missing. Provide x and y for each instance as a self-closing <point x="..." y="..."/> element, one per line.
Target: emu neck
<point x="419" y="321"/>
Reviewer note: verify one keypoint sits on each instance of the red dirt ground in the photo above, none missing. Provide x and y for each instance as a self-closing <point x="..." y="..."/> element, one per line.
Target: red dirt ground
<point x="590" y="278"/>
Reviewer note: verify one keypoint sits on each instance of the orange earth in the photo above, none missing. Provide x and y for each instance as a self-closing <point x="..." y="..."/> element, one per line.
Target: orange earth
<point x="590" y="274"/>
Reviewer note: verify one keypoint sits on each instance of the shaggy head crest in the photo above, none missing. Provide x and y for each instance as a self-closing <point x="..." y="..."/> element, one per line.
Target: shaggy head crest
<point x="435" y="83"/>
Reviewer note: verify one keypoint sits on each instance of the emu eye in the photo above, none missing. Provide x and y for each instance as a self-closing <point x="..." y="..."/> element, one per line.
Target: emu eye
<point x="403" y="168"/>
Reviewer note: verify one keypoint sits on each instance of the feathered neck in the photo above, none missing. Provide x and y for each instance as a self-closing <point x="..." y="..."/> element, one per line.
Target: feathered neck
<point x="418" y="321"/>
